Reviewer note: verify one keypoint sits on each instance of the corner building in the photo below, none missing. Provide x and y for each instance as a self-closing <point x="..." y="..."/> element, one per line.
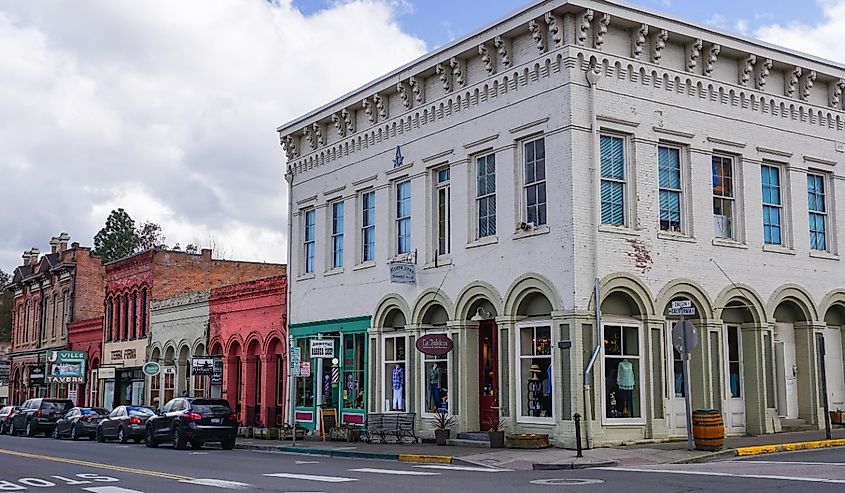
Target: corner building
<point x="575" y="148"/>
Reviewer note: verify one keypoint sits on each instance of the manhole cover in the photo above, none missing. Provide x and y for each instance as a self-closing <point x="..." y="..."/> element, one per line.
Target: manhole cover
<point x="566" y="482"/>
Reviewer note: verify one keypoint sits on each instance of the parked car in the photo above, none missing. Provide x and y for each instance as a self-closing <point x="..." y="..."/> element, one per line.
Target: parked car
<point x="191" y="420"/>
<point x="39" y="416"/>
<point x="79" y="422"/>
<point x="6" y="418"/>
<point x="124" y="423"/>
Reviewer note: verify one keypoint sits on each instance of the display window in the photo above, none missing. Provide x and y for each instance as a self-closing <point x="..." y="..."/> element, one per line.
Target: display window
<point x="536" y="402"/>
<point x="395" y="366"/>
<point x="304" y="385"/>
<point x="435" y="384"/>
<point x="622" y="372"/>
<point x="353" y="371"/>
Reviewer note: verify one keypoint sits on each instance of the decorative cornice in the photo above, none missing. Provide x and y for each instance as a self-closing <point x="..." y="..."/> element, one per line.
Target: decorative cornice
<point x="438" y="155"/>
<point x="481" y="141"/>
<point x="306" y="200"/>
<point x="617" y="121"/>
<point x="334" y="191"/>
<point x="364" y="180"/>
<point x="725" y="142"/>
<point x="673" y="133"/>
<point x="773" y="152"/>
<point x="520" y="128"/>
<point x="818" y="160"/>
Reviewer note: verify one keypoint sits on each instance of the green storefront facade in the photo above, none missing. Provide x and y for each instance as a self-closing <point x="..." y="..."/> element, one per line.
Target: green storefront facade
<point x="345" y="390"/>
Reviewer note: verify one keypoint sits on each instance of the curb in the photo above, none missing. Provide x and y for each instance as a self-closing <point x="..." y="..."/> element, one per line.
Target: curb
<point x="349" y="454"/>
<point x="712" y="456"/>
<point x="573" y="465"/>
<point x="788" y="447"/>
<point x="425" y="459"/>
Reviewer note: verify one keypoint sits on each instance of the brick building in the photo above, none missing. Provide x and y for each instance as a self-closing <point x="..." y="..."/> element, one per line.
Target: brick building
<point x="565" y="175"/>
<point x="51" y="291"/>
<point x="248" y="328"/>
<point x="132" y="284"/>
<point x="87" y="336"/>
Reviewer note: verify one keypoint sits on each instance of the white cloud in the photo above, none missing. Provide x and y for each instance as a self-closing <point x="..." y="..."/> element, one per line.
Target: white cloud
<point x="823" y="39"/>
<point x="169" y="110"/>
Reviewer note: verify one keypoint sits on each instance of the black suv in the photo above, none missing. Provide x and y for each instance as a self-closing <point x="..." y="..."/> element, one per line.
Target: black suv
<point x="196" y="421"/>
<point x="39" y="416"/>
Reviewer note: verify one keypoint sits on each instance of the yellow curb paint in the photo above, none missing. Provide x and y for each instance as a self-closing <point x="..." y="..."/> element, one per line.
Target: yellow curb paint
<point x="96" y="465"/>
<point x="425" y="459"/>
<point x="763" y="449"/>
<point x="789" y="447"/>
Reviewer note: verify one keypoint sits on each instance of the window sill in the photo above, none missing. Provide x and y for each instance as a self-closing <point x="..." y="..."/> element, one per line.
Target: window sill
<point x="532" y="420"/>
<point x="333" y="272"/>
<point x="623" y="422"/>
<point x="724" y="242"/>
<point x="365" y="265"/>
<point x="442" y="261"/>
<point x="823" y="255"/>
<point x="487" y="240"/>
<point x="668" y="235"/>
<point x="305" y="277"/>
<point x="778" y="249"/>
<point x="620" y="230"/>
<point x="536" y="231"/>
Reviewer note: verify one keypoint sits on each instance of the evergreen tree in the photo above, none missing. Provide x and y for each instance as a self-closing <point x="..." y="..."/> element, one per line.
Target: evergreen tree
<point x="117" y="239"/>
<point x="7" y="298"/>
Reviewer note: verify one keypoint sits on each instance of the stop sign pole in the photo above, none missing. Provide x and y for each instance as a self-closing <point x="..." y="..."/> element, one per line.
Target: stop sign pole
<point x="682" y="309"/>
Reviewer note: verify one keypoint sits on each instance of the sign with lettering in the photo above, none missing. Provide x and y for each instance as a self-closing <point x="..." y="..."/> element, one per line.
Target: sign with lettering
<point x="322" y="348"/>
<point x="36" y="375"/>
<point x="151" y="368"/>
<point x="295" y="359"/>
<point x="217" y="374"/>
<point x="106" y="373"/>
<point x="202" y="366"/>
<point x="403" y="273"/>
<point x="117" y="355"/>
<point x="129" y="354"/>
<point x="305" y="369"/>
<point x="66" y="366"/>
<point x="435" y="344"/>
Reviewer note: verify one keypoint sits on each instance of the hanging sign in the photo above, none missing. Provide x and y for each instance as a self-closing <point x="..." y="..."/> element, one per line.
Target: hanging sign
<point x="202" y="367"/>
<point x="403" y="273"/>
<point x="305" y="369"/>
<point x="295" y="360"/>
<point x="66" y="366"/>
<point x="36" y="375"/>
<point x="322" y="348"/>
<point x="217" y="374"/>
<point x="435" y="344"/>
<point x="151" y="368"/>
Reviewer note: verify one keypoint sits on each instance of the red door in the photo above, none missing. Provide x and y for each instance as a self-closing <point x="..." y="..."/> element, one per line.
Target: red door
<point x="488" y="375"/>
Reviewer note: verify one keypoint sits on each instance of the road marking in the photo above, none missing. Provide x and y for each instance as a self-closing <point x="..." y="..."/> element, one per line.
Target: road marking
<point x="306" y="462"/>
<point x="724" y="474"/>
<point x="218" y="483"/>
<point x="395" y="472"/>
<point x="787" y="462"/>
<point x="309" y="477"/>
<point x="462" y="468"/>
<point x="199" y="453"/>
<point x="97" y="465"/>
<point x="566" y="482"/>
<point x="110" y="489"/>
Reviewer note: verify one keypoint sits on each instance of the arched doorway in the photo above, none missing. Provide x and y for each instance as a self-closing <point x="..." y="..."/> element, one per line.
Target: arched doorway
<point x="199" y="383"/>
<point x="788" y="369"/>
<point x="535" y="363"/>
<point x="740" y="345"/>
<point x="216" y="380"/>
<point x="834" y="344"/>
<point x="275" y="382"/>
<point x="490" y="371"/>
<point x="232" y="387"/>
<point x="168" y="383"/>
<point x="436" y="369"/>
<point x="93" y="395"/>
<point x="183" y="371"/>
<point x="622" y="368"/>
<point x="252" y="379"/>
<point x="395" y="367"/>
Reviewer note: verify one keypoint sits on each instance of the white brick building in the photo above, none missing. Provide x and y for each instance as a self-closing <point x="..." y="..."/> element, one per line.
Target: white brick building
<point x="689" y="165"/>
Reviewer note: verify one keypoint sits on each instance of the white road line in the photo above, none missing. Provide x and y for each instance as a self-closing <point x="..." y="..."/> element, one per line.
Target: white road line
<point x="110" y="489"/>
<point x="395" y="472"/>
<point x="310" y="477"/>
<point x="218" y="483"/>
<point x="788" y="462"/>
<point x="306" y="462"/>
<point x="462" y="468"/>
<point x="724" y="474"/>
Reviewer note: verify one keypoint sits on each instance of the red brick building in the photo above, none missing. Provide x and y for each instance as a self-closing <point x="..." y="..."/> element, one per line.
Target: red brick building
<point x="132" y="283"/>
<point x="248" y="328"/>
<point x="51" y="292"/>
<point x="87" y="336"/>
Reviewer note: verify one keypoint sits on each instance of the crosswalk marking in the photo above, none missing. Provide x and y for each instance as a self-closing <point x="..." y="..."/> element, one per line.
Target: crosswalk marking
<point x="110" y="489"/>
<point x="311" y="477"/>
<point x="395" y="472"/>
<point x="461" y="468"/>
<point x="218" y="483"/>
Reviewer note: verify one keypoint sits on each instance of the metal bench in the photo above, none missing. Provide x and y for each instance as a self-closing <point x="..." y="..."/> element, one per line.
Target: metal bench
<point x="398" y="425"/>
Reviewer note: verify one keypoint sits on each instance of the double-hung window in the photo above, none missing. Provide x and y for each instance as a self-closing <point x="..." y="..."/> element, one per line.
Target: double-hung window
<point x="485" y="195"/>
<point x="724" y="200"/>
<point x="612" y="150"/>
<point x="337" y="234"/>
<point x="535" y="182"/>
<point x="772" y="205"/>
<point x="669" y="166"/>
<point x="443" y="212"/>
<point x="368" y="226"/>
<point x="403" y="217"/>
<point x="308" y="244"/>
<point x="817" y="205"/>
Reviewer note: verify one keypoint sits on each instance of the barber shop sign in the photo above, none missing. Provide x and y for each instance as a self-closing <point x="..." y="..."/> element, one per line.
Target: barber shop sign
<point x="435" y="344"/>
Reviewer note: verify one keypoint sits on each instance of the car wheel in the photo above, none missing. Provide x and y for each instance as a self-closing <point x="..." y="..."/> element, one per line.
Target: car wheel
<point x="74" y="433"/>
<point x="100" y="437"/>
<point x="29" y="430"/>
<point x="228" y="444"/>
<point x="56" y="433"/>
<point x="12" y="430"/>
<point x="121" y="436"/>
<point x="150" y="441"/>
<point x="180" y="441"/>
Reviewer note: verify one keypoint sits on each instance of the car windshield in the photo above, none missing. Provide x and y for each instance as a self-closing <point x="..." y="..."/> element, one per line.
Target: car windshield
<point x="139" y="411"/>
<point x="93" y="412"/>
<point x="215" y="406"/>
<point x="55" y="406"/>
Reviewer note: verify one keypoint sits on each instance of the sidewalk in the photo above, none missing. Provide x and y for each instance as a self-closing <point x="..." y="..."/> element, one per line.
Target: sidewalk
<point x="551" y="458"/>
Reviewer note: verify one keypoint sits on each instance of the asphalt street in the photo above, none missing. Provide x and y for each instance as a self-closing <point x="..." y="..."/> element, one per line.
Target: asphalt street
<point x="34" y="464"/>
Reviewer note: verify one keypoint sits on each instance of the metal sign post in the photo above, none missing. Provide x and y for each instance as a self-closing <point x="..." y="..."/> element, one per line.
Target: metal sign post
<point x="686" y="337"/>
<point x="295" y="354"/>
<point x="823" y="378"/>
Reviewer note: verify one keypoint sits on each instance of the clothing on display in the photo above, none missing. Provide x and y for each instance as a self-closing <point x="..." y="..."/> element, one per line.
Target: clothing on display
<point x="398" y="403"/>
<point x="434" y="388"/>
<point x="625" y="375"/>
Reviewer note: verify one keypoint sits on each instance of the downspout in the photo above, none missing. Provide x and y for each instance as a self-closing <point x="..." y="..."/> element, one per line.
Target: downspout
<point x="289" y="339"/>
<point x="593" y="77"/>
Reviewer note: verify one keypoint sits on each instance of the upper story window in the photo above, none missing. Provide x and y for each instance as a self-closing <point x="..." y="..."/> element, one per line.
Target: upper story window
<point x="443" y="210"/>
<point x="671" y="188"/>
<point x="403" y="217"/>
<point x="724" y="199"/>
<point x="772" y="205"/>
<point x="817" y="206"/>
<point x="368" y="226"/>
<point x="308" y="244"/>
<point x="535" y="182"/>
<point x="612" y="150"/>
<point x="485" y="195"/>
<point x="337" y="234"/>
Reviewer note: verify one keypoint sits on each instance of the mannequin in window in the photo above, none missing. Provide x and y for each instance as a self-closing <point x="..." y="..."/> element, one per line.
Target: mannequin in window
<point x="398" y="403"/>
<point x="434" y="387"/>
<point x="625" y="381"/>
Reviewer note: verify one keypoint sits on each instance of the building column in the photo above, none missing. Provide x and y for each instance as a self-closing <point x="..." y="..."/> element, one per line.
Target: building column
<point x="230" y="379"/>
<point x="655" y="381"/>
<point x="507" y="370"/>
<point x="756" y="359"/>
<point x="464" y="372"/>
<point x="268" y="389"/>
<point x="807" y="360"/>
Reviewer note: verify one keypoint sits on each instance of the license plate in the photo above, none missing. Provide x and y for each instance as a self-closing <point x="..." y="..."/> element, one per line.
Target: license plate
<point x="216" y="421"/>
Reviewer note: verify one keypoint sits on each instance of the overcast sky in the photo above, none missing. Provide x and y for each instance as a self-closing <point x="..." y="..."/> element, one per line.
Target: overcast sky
<point x="168" y="108"/>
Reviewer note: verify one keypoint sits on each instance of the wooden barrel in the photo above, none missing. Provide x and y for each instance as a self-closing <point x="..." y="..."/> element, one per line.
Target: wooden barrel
<point x="708" y="429"/>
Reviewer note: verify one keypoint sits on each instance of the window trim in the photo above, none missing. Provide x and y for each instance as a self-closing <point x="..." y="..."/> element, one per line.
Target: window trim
<point x="397" y="219"/>
<point x="623" y="322"/>
<point x="683" y="173"/>
<point x="534" y="323"/>
<point x="828" y="211"/>
<point x="475" y="236"/>
<point x="335" y="236"/>
<point x="437" y="187"/>
<point x="306" y="242"/>
<point x="627" y="211"/>
<point x="524" y="185"/>
<point x="737" y="233"/>
<point x="362" y="228"/>
<point x="783" y="188"/>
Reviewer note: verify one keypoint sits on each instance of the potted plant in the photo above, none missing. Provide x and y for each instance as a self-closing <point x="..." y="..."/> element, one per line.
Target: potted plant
<point x="837" y="417"/>
<point x="443" y="421"/>
<point x="496" y="432"/>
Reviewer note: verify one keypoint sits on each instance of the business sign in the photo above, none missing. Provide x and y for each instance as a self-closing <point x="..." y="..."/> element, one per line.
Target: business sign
<point x="36" y="375"/>
<point x="4" y="370"/>
<point x="202" y="367"/>
<point x="435" y="344"/>
<point x="322" y="348"/>
<point x="66" y="366"/>
<point x="403" y="273"/>
<point x="295" y="360"/>
<point x="217" y="374"/>
<point x="151" y="368"/>
<point x="305" y="369"/>
<point x="106" y="373"/>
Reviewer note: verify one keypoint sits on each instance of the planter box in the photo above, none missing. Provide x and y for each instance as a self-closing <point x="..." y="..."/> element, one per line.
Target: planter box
<point x="285" y="434"/>
<point x="528" y="441"/>
<point x="266" y="433"/>
<point x="837" y="417"/>
<point x="245" y="432"/>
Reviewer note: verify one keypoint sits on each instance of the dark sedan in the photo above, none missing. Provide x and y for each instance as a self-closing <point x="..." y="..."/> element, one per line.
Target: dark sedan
<point x="124" y="423"/>
<point x="195" y="421"/>
<point x="79" y="422"/>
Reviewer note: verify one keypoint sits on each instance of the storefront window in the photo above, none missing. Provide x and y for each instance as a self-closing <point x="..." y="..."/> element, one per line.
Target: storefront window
<point x="535" y="371"/>
<point x="436" y="383"/>
<point x="394" y="373"/>
<point x="622" y="384"/>
<point x="169" y="382"/>
<point x="353" y="371"/>
<point x="199" y="385"/>
<point x="305" y="385"/>
<point x="678" y="370"/>
<point x="155" y="391"/>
